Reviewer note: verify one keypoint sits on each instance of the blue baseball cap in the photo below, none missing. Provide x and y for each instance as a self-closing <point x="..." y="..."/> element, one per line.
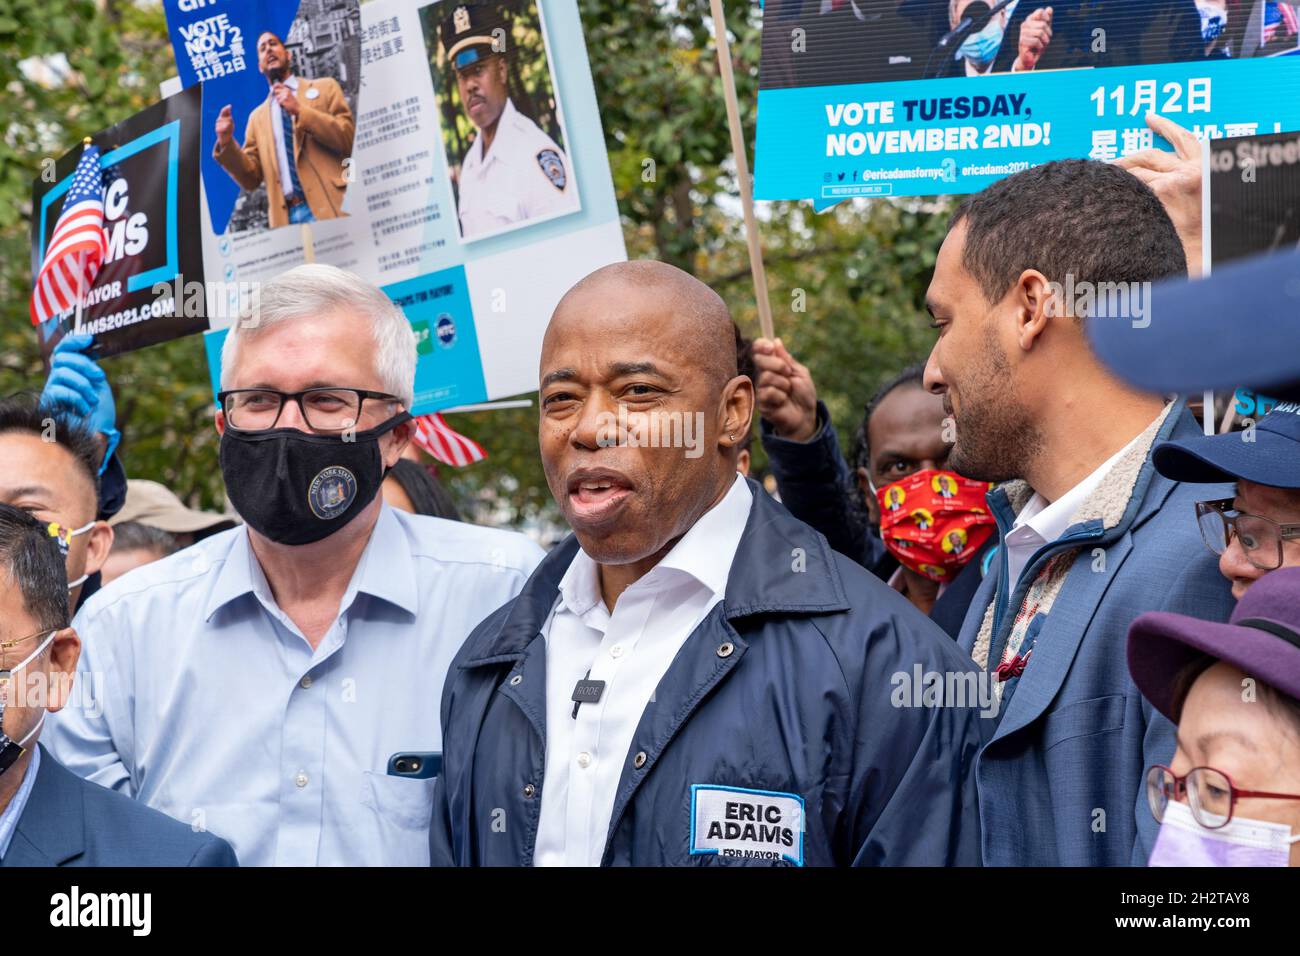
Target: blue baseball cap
<point x="1268" y="454"/>
<point x="1238" y="327"/>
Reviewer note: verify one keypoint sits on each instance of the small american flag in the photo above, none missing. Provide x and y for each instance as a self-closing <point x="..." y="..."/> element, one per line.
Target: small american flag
<point x="1280" y="21"/>
<point x="77" y="246"/>
<point x="444" y="443"/>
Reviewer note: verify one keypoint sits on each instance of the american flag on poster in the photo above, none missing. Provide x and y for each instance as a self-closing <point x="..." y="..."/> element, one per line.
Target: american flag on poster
<point x="77" y="246"/>
<point x="1280" y="18"/>
<point x="434" y="435"/>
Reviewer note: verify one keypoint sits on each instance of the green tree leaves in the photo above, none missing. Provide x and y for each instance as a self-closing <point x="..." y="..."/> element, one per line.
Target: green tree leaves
<point x="70" y="67"/>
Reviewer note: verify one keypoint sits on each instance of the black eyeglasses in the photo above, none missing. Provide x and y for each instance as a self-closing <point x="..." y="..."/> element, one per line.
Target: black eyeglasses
<point x="324" y="409"/>
<point x="1261" y="538"/>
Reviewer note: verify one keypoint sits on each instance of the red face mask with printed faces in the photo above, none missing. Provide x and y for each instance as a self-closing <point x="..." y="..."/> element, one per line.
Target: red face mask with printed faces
<point x="934" y="521"/>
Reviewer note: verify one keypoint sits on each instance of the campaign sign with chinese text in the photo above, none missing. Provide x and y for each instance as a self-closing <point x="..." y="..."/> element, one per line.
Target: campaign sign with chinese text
<point x="946" y="97"/>
<point x="475" y="242"/>
<point x="215" y="42"/>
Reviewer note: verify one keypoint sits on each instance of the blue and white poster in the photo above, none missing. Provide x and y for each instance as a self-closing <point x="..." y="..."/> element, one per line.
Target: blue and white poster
<point x="869" y="98"/>
<point x="478" y="192"/>
<point x="264" y="66"/>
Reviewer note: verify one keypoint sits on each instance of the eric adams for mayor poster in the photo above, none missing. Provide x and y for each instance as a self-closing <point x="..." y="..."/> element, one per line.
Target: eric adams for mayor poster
<point x="151" y="220"/>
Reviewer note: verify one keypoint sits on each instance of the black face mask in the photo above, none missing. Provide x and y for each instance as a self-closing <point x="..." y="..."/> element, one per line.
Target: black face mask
<point x="295" y="487"/>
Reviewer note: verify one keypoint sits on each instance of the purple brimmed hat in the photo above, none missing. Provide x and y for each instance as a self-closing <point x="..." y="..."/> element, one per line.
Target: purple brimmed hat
<point x="1262" y="639"/>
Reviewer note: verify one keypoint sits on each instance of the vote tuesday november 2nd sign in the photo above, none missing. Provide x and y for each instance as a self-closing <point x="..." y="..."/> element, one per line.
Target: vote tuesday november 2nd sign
<point x="928" y="97"/>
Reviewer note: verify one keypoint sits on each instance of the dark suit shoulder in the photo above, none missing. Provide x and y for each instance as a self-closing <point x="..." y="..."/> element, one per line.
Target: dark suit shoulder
<point x="120" y="831"/>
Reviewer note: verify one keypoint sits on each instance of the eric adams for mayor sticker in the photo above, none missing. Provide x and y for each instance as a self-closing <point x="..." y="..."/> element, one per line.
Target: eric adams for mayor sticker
<point x="749" y="824"/>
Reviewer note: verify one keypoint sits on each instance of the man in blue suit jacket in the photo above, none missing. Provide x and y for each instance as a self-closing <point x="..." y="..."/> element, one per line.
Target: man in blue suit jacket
<point x="48" y="815"/>
<point x="1091" y="535"/>
<point x="68" y="821"/>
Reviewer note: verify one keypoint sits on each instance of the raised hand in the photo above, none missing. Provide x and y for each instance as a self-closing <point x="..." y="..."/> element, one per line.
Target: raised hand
<point x="1035" y="35"/>
<point x="1176" y="180"/>
<point x="787" y="397"/>
<point x="225" y="127"/>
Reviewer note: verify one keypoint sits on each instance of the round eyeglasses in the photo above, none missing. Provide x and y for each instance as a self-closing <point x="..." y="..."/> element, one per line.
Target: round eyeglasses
<point x="1209" y="792"/>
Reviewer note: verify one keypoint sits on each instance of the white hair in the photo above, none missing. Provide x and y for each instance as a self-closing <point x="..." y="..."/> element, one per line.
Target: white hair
<point x="312" y="290"/>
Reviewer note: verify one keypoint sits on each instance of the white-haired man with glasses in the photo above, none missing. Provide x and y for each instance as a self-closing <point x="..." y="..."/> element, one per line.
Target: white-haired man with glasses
<point x="1257" y="530"/>
<point x="257" y="684"/>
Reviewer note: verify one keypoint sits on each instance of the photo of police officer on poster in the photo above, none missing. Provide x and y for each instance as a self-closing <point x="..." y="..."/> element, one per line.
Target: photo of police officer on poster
<point x="502" y="123"/>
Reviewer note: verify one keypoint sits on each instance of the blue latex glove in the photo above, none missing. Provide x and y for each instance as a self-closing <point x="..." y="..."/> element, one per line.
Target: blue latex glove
<point x="77" y="382"/>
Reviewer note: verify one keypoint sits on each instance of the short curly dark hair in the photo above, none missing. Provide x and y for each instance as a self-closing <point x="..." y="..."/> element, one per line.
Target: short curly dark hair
<point x="1092" y="220"/>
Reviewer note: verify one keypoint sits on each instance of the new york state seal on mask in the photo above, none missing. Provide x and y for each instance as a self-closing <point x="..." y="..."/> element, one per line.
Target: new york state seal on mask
<point x="331" y="492"/>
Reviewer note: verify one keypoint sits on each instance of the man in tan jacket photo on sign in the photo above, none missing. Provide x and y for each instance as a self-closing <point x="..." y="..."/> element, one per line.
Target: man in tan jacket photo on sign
<point x="296" y="142"/>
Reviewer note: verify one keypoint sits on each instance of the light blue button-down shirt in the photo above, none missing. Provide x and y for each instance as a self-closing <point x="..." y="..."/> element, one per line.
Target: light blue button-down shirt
<point x="215" y="709"/>
<point x="9" y="819"/>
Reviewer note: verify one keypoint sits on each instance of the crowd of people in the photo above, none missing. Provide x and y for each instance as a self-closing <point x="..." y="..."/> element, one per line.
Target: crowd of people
<point x="1039" y="617"/>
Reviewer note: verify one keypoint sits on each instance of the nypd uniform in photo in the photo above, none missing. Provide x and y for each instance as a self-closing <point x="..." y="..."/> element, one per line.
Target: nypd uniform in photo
<point x="525" y="174"/>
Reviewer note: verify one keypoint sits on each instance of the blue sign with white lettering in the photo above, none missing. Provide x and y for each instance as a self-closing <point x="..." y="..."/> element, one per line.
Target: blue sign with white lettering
<point x="946" y="101"/>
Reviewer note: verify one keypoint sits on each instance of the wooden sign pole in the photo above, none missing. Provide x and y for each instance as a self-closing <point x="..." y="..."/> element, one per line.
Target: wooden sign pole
<point x="742" y="170"/>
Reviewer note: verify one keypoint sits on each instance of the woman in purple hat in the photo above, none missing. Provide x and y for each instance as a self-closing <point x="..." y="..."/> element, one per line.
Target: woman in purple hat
<point x="1231" y="794"/>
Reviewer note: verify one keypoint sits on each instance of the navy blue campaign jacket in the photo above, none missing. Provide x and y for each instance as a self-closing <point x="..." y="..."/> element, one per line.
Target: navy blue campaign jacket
<point x="785" y="693"/>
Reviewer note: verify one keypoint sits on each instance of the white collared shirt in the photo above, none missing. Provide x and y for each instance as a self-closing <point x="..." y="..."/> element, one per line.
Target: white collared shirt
<point x="525" y="176"/>
<point x="12" y="813"/>
<point x="197" y="695"/>
<point x="277" y="130"/>
<point x="630" y="650"/>
<point x="1041" y="522"/>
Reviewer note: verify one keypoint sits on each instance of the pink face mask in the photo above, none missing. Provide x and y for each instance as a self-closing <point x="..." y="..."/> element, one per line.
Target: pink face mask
<point x="1243" y="842"/>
